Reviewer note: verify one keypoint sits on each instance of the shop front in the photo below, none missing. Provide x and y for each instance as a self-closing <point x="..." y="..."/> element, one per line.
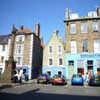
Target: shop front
<point x="83" y="63"/>
<point x="53" y="70"/>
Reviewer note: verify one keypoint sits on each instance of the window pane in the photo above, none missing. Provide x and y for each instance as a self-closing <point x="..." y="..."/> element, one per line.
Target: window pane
<point x="80" y="64"/>
<point x="84" y="27"/>
<point x="60" y="61"/>
<point x="98" y="63"/>
<point x="59" y="48"/>
<point x="3" y="47"/>
<point x="95" y="26"/>
<point x="73" y="47"/>
<point x="50" y="61"/>
<point x="2" y="59"/>
<point x="72" y="28"/>
<point x="19" y="48"/>
<point x="19" y="60"/>
<point x="85" y="46"/>
<point x="50" y="49"/>
<point x="97" y="46"/>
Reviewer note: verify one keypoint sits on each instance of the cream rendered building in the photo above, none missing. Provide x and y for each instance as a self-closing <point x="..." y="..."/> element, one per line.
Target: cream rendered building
<point x="54" y="56"/>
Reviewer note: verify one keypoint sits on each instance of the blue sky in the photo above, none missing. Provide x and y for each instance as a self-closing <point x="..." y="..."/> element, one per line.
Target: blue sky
<point x="49" y="13"/>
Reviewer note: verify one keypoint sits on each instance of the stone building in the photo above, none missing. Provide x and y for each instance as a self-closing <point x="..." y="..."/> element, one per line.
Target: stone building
<point x="54" y="56"/>
<point x="26" y="49"/>
<point x="82" y="43"/>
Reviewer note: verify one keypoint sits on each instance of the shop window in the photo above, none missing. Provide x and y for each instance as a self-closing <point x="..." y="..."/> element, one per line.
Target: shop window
<point x="71" y="63"/>
<point x="49" y="72"/>
<point x="59" y="73"/>
<point x="90" y="62"/>
<point x="98" y="71"/>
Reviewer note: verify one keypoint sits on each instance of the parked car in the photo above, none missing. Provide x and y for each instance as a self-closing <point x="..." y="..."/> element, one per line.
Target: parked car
<point x="43" y="78"/>
<point x="58" y="79"/>
<point x="77" y="79"/>
<point x="94" y="80"/>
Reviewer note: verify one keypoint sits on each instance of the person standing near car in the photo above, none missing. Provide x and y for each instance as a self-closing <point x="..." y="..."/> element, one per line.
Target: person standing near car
<point x="20" y="74"/>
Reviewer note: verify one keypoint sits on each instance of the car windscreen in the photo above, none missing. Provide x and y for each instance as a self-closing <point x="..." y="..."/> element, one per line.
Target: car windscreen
<point x="77" y="75"/>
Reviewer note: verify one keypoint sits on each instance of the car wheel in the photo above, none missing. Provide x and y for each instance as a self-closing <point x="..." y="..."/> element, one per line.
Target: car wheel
<point x="52" y="83"/>
<point x="72" y="84"/>
<point x="82" y="84"/>
<point x="37" y="82"/>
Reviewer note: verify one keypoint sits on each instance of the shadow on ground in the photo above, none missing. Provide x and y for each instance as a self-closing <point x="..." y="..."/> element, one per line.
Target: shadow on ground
<point x="5" y="86"/>
<point x="32" y="95"/>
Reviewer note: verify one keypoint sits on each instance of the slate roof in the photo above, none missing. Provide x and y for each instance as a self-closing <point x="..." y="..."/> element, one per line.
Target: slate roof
<point x="4" y="39"/>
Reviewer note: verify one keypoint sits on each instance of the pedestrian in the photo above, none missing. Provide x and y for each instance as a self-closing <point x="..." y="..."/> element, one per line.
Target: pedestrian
<point x="87" y="77"/>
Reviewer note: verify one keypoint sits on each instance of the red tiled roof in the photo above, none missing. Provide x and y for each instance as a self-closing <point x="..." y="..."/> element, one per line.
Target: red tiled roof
<point x="25" y="30"/>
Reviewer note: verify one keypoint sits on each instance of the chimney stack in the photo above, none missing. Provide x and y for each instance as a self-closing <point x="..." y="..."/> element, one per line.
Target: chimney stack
<point x="98" y="11"/>
<point x="14" y="30"/>
<point x="37" y="29"/>
<point x="67" y="13"/>
<point x="22" y="27"/>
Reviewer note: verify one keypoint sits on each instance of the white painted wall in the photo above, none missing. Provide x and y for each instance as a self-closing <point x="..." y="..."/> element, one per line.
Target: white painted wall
<point x="5" y="55"/>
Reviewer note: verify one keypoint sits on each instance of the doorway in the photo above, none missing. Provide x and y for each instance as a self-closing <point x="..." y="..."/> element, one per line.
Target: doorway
<point x="90" y="67"/>
<point x="81" y="71"/>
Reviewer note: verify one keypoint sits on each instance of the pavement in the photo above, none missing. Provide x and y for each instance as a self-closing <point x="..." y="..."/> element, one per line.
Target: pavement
<point x="10" y="85"/>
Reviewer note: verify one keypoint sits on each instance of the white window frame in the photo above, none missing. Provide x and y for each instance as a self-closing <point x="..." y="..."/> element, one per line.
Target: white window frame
<point x="21" y="62"/>
<point x="84" y="28"/>
<point x="3" y="47"/>
<point x="17" y="49"/>
<point x="73" y="46"/>
<point x="49" y="49"/>
<point x="98" y="63"/>
<point x="97" y="46"/>
<point x="52" y="61"/>
<point x="84" y="45"/>
<point x="95" y="22"/>
<point x="73" y="28"/>
<point x="59" y="61"/>
<point x="59" y="52"/>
